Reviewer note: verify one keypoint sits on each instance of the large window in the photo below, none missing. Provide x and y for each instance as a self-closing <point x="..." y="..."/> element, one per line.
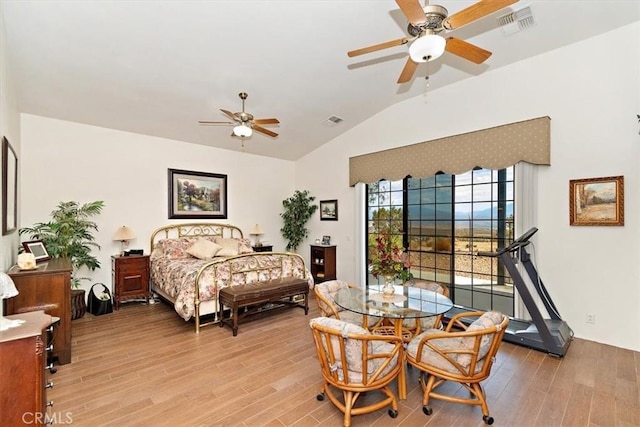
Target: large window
<point x="444" y="221"/>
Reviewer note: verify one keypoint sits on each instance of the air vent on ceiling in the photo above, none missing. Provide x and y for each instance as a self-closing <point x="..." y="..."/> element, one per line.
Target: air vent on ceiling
<point x="333" y="121"/>
<point x="516" y="21"/>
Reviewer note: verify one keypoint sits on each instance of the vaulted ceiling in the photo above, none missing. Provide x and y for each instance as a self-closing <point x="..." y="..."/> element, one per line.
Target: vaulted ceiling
<point x="158" y="67"/>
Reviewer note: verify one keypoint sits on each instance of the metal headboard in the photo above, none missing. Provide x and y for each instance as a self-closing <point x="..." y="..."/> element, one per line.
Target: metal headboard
<point x="195" y="229"/>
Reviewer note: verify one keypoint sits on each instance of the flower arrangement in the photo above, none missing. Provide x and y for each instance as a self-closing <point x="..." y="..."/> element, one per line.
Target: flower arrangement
<point x="388" y="259"/>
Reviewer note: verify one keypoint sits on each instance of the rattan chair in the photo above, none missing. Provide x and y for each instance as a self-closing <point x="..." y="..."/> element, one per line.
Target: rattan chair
<point x="415" y="326"/>
<point x="353" y="361"/>
<point x="325" y="293"/>
<point x="463" y="355"/>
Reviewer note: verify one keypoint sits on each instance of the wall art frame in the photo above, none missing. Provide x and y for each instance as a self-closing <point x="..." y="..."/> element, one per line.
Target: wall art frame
<point x="9" y="188"/>
<point x="328" y="210"/>
<point x="38" y="249"/>
<point x="195" y="194"/>
<point x="596" y="201"/>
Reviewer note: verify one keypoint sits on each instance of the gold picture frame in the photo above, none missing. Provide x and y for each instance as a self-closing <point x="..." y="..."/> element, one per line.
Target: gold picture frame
<point x="596" y="201"/>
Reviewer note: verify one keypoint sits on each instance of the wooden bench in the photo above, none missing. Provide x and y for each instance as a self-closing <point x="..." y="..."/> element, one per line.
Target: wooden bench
<point x="248" y="299"/>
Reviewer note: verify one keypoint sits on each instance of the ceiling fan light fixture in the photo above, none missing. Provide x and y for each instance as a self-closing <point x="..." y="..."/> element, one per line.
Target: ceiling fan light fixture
<point x="242" y="130"/>
<point x="427" y="48"/>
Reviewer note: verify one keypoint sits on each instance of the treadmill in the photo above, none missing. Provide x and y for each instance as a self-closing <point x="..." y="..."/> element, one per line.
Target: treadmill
<point x="551" y="335"/>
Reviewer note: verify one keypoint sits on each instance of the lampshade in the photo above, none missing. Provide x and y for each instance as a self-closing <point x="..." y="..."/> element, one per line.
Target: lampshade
<point x="427" y="48"/>
<point x="124" y="233"/>
<point x="256" y="229"/>
<point x="7" y="290"/>
<point x="242" y="130"/>
<point x="7" y="287"/>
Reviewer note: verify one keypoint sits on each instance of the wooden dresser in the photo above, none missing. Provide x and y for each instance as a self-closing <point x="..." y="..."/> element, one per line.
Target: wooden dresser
<point x="23" y="355"/>
<point x="46" y="288"/>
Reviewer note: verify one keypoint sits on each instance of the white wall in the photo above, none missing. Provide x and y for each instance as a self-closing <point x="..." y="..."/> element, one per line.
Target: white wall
<point x="592" y="100"/>
<point x="64" y="161"/>
<point x="9" y="128"/>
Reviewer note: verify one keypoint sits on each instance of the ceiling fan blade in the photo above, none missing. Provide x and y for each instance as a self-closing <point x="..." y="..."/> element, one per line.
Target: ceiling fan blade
<point x="266" y="121"/>
<point x="264" y="131"/>
<point x="474" y="12"/>
<point x="230" y="115"/>
<point x="377" y="47"/>
<point x="205" y="122"/>
<point x="413" y="11"/>
<point x="466" y="50"/>
<point x="408" y="71"/>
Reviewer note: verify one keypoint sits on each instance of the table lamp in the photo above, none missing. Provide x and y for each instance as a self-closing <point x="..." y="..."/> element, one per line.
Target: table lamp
<point x="256" y="230"/>
<point x="7" y="290"/>
<point x="124" y="234"/>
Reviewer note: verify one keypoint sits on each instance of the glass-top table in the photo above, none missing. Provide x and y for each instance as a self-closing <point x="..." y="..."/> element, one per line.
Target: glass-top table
<point x="406" y="303"/>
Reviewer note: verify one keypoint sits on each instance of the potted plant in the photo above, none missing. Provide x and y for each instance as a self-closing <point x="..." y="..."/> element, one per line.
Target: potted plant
<point x="297" y="211"/>
<point x="69" y="234"/>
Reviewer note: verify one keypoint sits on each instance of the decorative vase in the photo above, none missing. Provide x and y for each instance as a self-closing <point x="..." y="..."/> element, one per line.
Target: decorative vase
<point x="388" y="289"/>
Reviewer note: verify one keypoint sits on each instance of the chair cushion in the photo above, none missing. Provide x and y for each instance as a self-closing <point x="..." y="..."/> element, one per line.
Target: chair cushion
<point x="329" y="289"/>
<point x="487" y="320"/>
<point x="430" y="357"/>
<point x="353" y="348"/>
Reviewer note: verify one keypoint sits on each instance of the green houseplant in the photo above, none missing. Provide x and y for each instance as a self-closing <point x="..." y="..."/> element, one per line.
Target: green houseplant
<point x="70" y="234"/>
<point x="297" y="211"/>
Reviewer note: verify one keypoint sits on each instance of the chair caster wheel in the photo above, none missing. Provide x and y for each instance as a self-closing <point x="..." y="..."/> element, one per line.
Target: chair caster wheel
<point x="320" y="397"/>
<point x="393" y="413"/>
<point x="487" y="419"/>
<point x="427" y="410"/>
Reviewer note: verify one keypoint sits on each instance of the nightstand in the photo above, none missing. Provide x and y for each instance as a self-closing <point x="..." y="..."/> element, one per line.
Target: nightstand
<point x="263" y="248"/>
<point x="130" y="275"/>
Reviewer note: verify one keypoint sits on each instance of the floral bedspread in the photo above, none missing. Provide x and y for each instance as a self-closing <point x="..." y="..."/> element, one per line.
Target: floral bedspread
<point x="176" y="276"/>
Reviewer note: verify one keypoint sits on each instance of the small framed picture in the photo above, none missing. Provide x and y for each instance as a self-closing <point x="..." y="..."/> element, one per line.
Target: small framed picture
<point x="38" y="249"/>
<point x="328" y="210"/>
<point x="326" y="240"/>
<point x="596" y="201"/>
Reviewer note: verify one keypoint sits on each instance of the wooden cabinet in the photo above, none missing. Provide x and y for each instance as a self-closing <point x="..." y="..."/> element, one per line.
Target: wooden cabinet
<point x="130" y="276"/>
<point x="24" y="382"/>
<point x="323" y="262"/>
<point x="46" y="288"/>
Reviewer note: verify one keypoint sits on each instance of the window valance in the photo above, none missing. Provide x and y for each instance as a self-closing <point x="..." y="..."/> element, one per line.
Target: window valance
<point x="493" y="148"/>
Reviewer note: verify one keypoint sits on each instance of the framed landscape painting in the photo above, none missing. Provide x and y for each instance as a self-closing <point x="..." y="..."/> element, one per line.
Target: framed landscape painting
<point x="328" y="210"/>
<point x="596" y="201"/>
<point x="198" y="195"/>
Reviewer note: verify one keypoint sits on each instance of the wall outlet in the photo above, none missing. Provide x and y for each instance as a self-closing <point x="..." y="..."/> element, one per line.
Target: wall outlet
<point x="591" y="319"/>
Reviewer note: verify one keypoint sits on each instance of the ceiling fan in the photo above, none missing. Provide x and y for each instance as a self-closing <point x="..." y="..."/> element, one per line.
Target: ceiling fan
<point x="426" y="24"/>
<point x="244" y="122"/>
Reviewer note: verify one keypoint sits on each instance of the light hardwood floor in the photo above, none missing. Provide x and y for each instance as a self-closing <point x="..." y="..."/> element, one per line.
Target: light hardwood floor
<point x="144" y="366"/>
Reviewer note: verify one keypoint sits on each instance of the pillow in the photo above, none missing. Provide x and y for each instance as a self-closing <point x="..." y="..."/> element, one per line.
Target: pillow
<point x="244" y="246"/>
<point x="229" y="247"/>
<point x="203" y="249"/>
<point x="175" y="248"/>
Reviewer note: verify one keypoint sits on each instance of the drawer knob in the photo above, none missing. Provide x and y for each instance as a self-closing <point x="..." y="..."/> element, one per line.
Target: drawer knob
<point x="49" y="384"/>
<point x="50" y="403"/>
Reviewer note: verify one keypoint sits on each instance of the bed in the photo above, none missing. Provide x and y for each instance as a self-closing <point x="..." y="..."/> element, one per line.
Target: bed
<point x="190" y="280"/>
